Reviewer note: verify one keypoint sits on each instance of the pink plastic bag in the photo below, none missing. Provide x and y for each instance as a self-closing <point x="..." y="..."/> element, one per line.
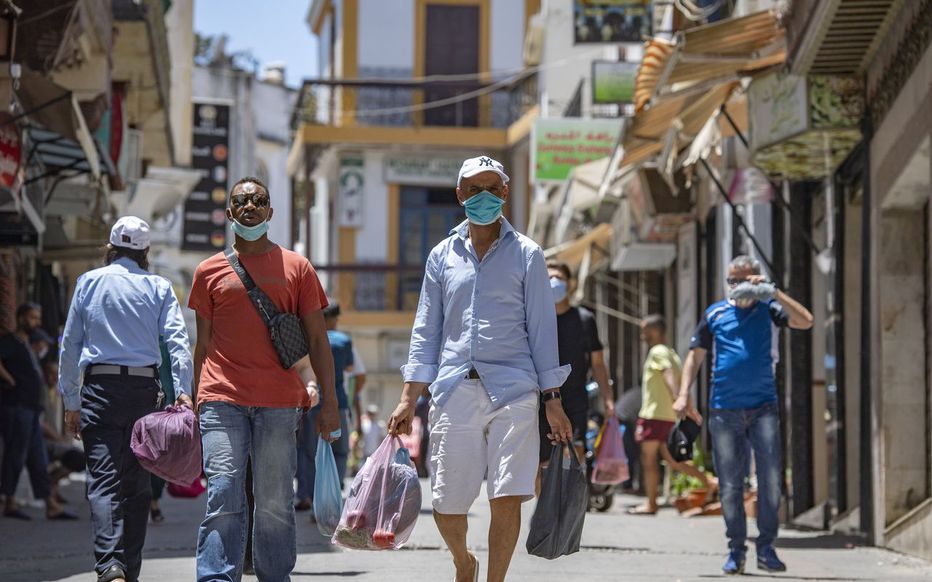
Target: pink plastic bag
<point x="192" y="490"/>
<point x="611" y="465"/>
<point x="383" y="503"/>
<point x="168" y="444"/>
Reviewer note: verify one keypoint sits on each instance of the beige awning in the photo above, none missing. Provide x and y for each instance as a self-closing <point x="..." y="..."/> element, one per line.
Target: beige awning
<point x="683" y="83"/>
<point x="724" y="49"/>
<point x="574" y="252"/>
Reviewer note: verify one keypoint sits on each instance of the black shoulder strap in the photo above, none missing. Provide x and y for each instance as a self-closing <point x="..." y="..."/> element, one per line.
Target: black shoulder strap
<point x="264" y="304"/>
<point x="240" y="270"/>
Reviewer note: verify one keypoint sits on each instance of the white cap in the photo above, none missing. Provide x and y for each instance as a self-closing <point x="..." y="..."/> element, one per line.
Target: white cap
<point x="130" y="232"/>
<point x="474" y="166"/>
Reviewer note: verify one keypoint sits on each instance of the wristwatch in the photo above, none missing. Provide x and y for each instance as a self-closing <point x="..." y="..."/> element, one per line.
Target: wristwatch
<point x="552" y="395"/>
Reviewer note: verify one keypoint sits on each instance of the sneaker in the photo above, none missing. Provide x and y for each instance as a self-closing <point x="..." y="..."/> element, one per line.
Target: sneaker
<point x="113" y="574"/>
<point x="734" y="565"/>
<point x="768" y="561"/>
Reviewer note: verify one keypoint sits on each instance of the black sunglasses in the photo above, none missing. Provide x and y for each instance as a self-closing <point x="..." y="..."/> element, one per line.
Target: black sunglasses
<point x="259" y="200"/>
<point x="734" y="281"/>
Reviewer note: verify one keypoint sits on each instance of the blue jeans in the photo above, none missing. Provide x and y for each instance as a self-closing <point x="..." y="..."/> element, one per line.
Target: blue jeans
<point x="307" y="450"/>
<point x="23" y="446"/>
<point x="230" y="434"/>
<point x="732" y="431"/>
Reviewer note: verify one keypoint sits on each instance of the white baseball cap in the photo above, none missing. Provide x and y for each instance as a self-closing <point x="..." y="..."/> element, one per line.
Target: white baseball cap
<point x="130" y="232"/>
<point x="474" y="166"/>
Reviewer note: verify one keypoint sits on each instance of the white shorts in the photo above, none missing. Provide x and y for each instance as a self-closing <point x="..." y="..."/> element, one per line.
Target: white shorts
<point x="469" y="438"/>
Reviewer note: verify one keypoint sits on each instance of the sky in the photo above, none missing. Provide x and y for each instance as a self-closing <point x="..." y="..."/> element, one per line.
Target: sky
<point x="272" y="31"/>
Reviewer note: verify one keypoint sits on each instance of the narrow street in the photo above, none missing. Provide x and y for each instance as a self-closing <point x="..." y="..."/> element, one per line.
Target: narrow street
<point x="615" y="547"/>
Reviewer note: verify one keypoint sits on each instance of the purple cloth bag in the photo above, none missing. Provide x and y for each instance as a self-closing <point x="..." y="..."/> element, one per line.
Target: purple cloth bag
<point x="168" y="444"/>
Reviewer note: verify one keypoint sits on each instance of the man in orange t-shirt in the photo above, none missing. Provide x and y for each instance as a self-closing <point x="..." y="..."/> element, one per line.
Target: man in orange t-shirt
<point x="249" y="406"/>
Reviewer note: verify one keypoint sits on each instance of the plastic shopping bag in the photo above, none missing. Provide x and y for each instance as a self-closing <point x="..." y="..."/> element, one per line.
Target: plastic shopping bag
<point x="168" y="444"/>
<point x="557" y="523"/>
<point x="611" y="465"/>
<point x="191" y="490"/>
<point x="384" y="502"/>
<point x="328" y="499"/>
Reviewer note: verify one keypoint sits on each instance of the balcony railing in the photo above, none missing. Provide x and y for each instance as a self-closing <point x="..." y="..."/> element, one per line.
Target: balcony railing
<point x="375" y="287"/>
<point x="414" y="103"/>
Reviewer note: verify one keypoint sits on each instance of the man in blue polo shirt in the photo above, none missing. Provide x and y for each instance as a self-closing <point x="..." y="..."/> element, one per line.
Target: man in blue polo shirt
<point x="743" y="333"/>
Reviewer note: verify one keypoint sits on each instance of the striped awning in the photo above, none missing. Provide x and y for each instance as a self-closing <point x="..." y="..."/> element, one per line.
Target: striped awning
<point x="682" y="83"/>
<point x="724" y="50"/>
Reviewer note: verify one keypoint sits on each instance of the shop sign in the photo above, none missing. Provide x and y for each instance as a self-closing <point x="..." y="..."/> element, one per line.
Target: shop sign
<point x="205" y="223"/>
<point x="611" y="21"/>
<point x="561" y="144"/>
<point x="804" y="127"/>
<point x="11" y="152"/>
<point x="778" y="109"/>
<point x="613" y="81"/>
<point x="350" y="202"/>
<point x="422" y="171"/>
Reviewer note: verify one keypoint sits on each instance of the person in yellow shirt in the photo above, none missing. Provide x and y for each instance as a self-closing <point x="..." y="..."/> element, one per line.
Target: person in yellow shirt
<point x="656" y="419"/>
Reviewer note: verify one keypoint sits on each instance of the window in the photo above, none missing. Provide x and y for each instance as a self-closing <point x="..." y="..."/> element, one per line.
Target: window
<point x="427" y="217"/>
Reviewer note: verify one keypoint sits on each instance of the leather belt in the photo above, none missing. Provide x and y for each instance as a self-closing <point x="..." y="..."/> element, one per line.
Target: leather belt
<point x="473" y="374"/>
<point x="115" y="370"/>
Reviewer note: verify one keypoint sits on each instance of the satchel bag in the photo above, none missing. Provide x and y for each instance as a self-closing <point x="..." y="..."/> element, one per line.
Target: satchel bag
<point x="285" y="329"/>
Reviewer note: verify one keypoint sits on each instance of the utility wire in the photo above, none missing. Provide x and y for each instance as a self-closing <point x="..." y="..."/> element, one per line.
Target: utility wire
<point x="462" y="96"/>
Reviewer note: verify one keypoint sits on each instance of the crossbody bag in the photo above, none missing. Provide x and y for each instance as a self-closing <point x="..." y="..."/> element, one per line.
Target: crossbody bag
<point x="285" y="329"/>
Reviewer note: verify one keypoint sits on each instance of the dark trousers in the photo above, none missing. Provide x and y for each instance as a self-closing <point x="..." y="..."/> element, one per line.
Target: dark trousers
<point x="118" y="488"/>
<point x="23" y="445"/>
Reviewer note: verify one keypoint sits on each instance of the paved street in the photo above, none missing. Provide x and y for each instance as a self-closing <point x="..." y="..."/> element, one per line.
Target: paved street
<point x="615" y="547"/>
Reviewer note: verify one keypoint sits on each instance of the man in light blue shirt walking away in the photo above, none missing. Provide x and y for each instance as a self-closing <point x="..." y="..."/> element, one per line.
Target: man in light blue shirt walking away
<point x="485" y="344"/>
<point x="112" y="335"/>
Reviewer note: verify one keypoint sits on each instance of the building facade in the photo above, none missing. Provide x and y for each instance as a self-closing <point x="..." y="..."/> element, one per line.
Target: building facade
<point x="409" y="90"/>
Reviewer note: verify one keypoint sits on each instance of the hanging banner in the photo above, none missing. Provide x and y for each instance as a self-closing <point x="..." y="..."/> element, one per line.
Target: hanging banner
<point x="11" y="153"/>
<point x="352" y="181"/>
<point x="561" y="144"/>
<point x="205" y="222"/>
<point x="611" y="21"/>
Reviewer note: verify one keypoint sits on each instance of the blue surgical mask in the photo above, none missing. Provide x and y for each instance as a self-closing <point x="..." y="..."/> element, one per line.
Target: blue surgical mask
<point x="250" y="233"/>
<point x="484" y="208"/>
<point x="559" y="289"/>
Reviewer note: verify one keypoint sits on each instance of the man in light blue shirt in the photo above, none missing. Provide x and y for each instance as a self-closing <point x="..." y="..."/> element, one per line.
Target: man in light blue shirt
<point x="112" y="335"/>
<point x="485" y="345"/>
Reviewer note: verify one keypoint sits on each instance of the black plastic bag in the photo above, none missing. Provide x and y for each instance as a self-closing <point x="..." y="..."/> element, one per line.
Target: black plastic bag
<point x="681" y="439"/>
<point x="557" y="524"/>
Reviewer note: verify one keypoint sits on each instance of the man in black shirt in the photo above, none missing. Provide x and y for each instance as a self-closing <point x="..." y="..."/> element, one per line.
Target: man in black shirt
<point x="21" y="398"/>
<point x="579" y="345"/>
